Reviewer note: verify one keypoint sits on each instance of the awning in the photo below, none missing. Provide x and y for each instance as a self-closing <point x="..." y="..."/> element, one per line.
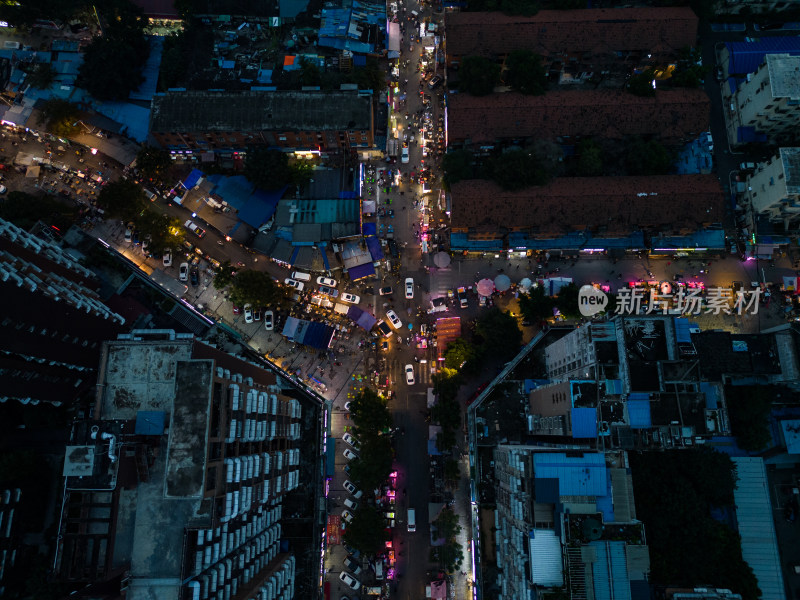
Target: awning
<point x="502" y="282"/>
<point x="368" y="207"/>
<point x="374" y="246"/>
<point x="393" y="41"/>
<point x="361" y="271"/>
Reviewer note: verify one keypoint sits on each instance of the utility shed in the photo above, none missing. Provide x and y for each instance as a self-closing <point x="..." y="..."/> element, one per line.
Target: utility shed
<point x="754" y="515"/>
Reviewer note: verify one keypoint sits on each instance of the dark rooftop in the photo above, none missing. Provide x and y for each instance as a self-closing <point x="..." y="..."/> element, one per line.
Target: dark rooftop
<point x="186" y="454"/>
<point x="195" y="111"/>
<point x="608" y="205"/>
<point x="673" y="115"/>
<point x="721" y="353"/>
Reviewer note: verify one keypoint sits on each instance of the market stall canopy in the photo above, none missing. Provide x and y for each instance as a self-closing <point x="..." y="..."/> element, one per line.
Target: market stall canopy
<point x="441" y="259"/>
<point x="525" y="284"/>
<point x="485" y="287"/>
<point x="502" y="282"/>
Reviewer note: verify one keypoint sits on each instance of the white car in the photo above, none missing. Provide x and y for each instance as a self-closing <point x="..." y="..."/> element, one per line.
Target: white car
<point x="183" y="274"/>
<point x="298" y="285"/>
<point x="351" y="504"/>
<point x="409" y="374"/>
<point x="350" y="440"/>
<point x="404" y="155"/>
<point x="353" y="565"/>
<point x="352" y="489"/>
<point x="349" y="454"/>
<point x="269" y="320"/>
<point x="347" y="516"/>
<point x="326" y="281"/>
<point x="349" y="580"/>
<point x="3" y="189"/>
<point x="248" y="313"/>
<point x="350" y="298"/>
<point x="347" y="405"/>
<point x="394" y="319"/>
<point x="168" y="258"/>
<point x="409" y="287"/>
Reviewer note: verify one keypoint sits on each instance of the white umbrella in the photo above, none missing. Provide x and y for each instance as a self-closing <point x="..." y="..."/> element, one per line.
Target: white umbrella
<point x="525" y="284"/>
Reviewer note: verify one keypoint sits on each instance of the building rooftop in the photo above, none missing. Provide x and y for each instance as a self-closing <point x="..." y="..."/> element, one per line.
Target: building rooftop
<point x="193" y="111"/>
<point x="790" y="157"/>
<point x="600" y="31"/>
<point x="784" y="75"/>
<point x="721" y="353"/>
<point x="673" y="115"/>
<point x="609" y="205"/>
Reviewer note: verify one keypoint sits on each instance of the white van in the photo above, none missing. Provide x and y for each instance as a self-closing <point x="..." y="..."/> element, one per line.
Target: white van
<point x="299" y="276"/>
<point x="412" y="520"/>
<point x="379" y="569"/>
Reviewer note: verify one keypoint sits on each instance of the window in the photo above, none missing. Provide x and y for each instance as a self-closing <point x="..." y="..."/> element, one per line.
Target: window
<point x="282" y="138"/>
<point x="768" y="106"/>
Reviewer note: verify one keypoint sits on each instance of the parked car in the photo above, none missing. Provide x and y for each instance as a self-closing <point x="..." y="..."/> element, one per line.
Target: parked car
<point x="350" y="440"/>
<point x="409" y="369"/>
<point x="349" y="580"/>
<point x="326" y="281"/>
<point x="167" y="260"/>
<point x="236" y="310"/>
<point x="328" y="291"/>
<point x="350" y="298"/>
<point x="129" y="233"/>
<point x="353" y="565"/>
<point x="404" y="158"/>
<point x="194" y="277"/>
<point x="463" y="301"/>
<point x="257" y="314"/>
<point x="298" y="285"/>
<point x="394" y="319"/>
<point x="708" y="139"/>
<point x="409" y="287"/>
<point x="384" y="328"/>
<point x="435" y="82"/>
<point x="747" y="167"/>
<point x="248" y="313"/>
<point x="269" y="322"/>
<point x="351" y="504"/>
<point x="3" y="189"/>
<point x="349" y="454"/>
<point x="385" y="291"/>
<point x="347" y="516"/>
<point x="194" y="228"/>
<point x="352" y="489"/>
<point x="183" y="273"/>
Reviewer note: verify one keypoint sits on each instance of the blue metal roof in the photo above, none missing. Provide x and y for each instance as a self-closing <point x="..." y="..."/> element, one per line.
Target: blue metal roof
<point x="682" y="334"/>
<point x="260" y="206"/>
<point x="639" y="413"/>
<point x="711" y="393"/>
<point x="584" y="422"/>
<point x="605" y="504"/>
<point x="746" y="57"/>
<point x="361" y="271"/>
<point x="610" y="571"/>
<point x="149" y="422"/>
<point x="374" y="247"/>
<point x="577" y="475"/>
<point x="708" y="238"/>
<point x="369" y="228"/>
<point x="192" y="179"/>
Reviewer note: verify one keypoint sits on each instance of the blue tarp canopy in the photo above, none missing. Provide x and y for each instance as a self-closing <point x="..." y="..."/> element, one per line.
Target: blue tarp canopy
<point x="192" y="179"/>
<point x="374" y="247"/>
<point x="369" y="229"/>
<point x="361" y="271"/>
<point x="149" y="422"/>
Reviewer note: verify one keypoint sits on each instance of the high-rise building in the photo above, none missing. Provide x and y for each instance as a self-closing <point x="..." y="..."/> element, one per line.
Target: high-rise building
<point x="175" y="488"/>
<point x="53" y="323"/>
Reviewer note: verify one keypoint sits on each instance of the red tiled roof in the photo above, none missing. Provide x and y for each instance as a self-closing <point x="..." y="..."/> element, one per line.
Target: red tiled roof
<point x="596" y="30"/>
<point x="673" y="114"/>
<point x="608" y="205"/>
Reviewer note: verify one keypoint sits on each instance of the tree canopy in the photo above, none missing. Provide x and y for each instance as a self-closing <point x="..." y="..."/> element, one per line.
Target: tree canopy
<point x="590" y="158"/>
<point x="517" y="168"/>
<point x="749" y="408"/>
<point x="499" y="333"/>
<point x="641" y="84"/>
<point x="450" y="555"/>
<point x="122" y="199"/>
<point x="223" y="275"/>
<point x="536" y="305"/>
<point x="370" y="414"/>
<point x="268" y="169"/>
<point x="526" y="73"/>
<point x="60" y="117"/>
<point x="648" y="158"/>
<point x="457" y="165"/>
<point x="153" y="163"/>
<point x="361" y="533"/>
<point x="372" y="421"/>
<point x="459" y="354"/>
<point x="256" y="288"/>
<point x="477" y="75"/>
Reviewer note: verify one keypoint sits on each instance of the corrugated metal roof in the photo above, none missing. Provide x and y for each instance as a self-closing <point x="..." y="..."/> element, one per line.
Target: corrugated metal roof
<point x="639" y="413"/>
<point x="610" y="572"/>
<point x="577" y="475"/>
<point x="547" y="568"/>
<point x="754" y="514"/>
<point x="584" y="422"/>
<point x="791" y="435"/>
<point x="747" y="56"/>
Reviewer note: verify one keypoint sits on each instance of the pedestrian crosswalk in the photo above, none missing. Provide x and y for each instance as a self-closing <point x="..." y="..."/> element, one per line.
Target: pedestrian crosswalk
<point x="443" y="280"/>
<point x="423" y="373"/>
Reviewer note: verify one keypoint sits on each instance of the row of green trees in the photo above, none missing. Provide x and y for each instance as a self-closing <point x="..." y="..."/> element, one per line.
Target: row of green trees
<point x="524" y="73"/>
<point x="372" y="424"/>
<point x="450" y="554"/>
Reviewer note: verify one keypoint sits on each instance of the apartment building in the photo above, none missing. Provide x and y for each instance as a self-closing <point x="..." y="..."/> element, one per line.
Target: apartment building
<point x="769" y="99"/>
<point x="218" y="122"/>
<point x="773" y="190"/>
<point x="174" y="489"/>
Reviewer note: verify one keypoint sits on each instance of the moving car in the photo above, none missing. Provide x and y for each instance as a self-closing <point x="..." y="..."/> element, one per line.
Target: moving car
<point x="409" y="369"/>
<point x="409" y="287"/>
<point x="349" y="454"/>
<point x="269" y="322"/>
<point x="384" y="328"/>
<point x="328" y="291"/>
<point x="352" y="489"/>
<point x="194" y="228"/>
<point x="248" y="313"/>
<point x="183" y="273"/>
<point x="167" y="258"/>
<point x="326" y="281"/>
<point x="350" y="298"/>
<point x="298" y="285"/>
<point x="404" y="158"/>
<point x="394" y="319"/>
<point x="350" y="440"/>
<point x="349" y="580"/>
<point x="462" y="297"/>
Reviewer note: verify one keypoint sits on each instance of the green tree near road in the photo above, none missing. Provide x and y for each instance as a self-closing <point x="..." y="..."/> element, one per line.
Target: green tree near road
<point x="567" y="301"/>
<point x="517" y="168"/>
<point x="256" y="288"/>
<point x="590" y="158"/>
<point x="159" y="229"/>
<point x="223" y="275"/>
<point x="641" y="84"/>
<point x="59" y="117"/>
<point x="447" y="527"/>
<point x="374" y="463"/>
<point x="499" y="334"/>
<point x="648" y="158"/>
<point x="122" y="199"/>
<point x="460" y="354"/>
<point x="526" y="73"/>
<point x="112" y="62"/>
<point x="370" y="414"/>
<point x="153" y="163"/>
<point x="457" y="165"/>
<point x="362" y="533"/>
<point x="267" y="169"/>
<point x="478" y="76"/>
<point x="536" y="306"/>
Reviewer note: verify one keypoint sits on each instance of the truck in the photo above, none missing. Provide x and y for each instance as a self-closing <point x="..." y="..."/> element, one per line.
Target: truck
<point x="437" y="305"/>
<point x="462" y="297"/>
